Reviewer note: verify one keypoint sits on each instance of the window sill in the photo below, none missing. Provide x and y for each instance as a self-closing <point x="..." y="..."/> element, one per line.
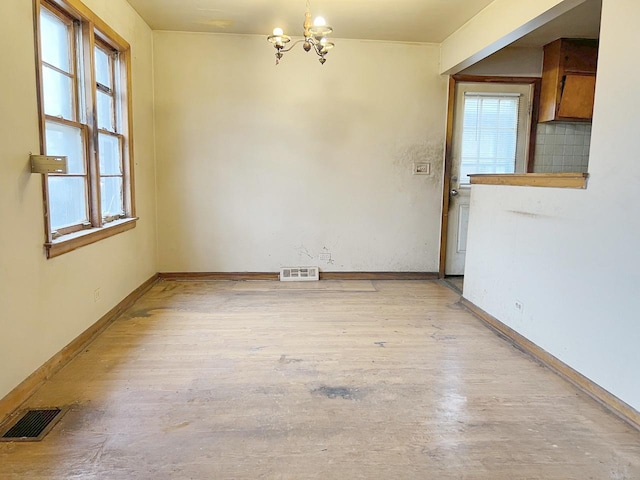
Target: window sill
<point x="552" y="180"/>
<point x="76" y="240"/>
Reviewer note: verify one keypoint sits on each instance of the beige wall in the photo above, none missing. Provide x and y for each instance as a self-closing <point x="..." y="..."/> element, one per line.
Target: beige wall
<point x="262" y="166"/>
<point x="569" y="256"/>
<point x="44" y="304"/>
<point x="510" y="62"/>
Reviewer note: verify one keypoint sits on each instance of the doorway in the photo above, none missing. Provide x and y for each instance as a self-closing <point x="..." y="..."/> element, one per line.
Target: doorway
<point x="490" y="129"/>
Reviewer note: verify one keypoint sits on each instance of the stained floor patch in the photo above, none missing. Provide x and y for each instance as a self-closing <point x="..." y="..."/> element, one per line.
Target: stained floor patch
<point x="142" y="313"/>
<point x="338" y="392"/>
<point x="284" y="359"/>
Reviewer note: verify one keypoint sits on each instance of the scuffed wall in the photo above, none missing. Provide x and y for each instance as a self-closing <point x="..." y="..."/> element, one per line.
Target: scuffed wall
<point x="261" y="167"/>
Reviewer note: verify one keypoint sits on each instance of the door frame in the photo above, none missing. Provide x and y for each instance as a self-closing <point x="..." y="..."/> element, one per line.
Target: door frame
<point x="448" y="160"/>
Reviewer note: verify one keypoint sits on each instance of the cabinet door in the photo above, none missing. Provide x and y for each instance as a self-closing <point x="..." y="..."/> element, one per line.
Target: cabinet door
<point x="579" y="56"/>
<point x="577" y="97"/>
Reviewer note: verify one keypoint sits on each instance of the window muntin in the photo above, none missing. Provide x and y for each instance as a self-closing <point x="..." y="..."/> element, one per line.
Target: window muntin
<point x="84" y="104"/>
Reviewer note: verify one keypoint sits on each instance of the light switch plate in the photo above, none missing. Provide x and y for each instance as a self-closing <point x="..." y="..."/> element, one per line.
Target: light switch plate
<point x="421" y="168"/>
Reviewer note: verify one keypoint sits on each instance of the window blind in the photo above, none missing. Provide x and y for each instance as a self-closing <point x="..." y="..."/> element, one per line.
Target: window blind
<point x="489" y="134"/>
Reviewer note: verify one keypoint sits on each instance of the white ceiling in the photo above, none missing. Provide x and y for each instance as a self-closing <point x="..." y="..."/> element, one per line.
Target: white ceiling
<point x="580" y="22"/>
<point x="429" y="21"/>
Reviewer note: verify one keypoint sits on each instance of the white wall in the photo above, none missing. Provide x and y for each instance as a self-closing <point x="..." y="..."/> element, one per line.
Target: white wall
<point x="44" y="304"/>
<point x="570" y="256"/>
<point x="262" y="166"/>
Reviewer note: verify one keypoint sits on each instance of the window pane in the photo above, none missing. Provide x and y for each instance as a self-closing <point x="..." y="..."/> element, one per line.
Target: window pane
<point x="67" y="201"/>
<point x="488" y="145"/>
<point x="58" y="94"/>
<point x="110" y="153"/>
<point x="105" y="112"/>
<point x="111" y="196"/>
<point x="471" y="112"/>
<point x="54" y="40"/>
<point x="506" y="145"/>
<point x="66" y="140"/>
<point x="508" y="116"/>
<point x="103" y="72"/>
<point x="488" y="113"/>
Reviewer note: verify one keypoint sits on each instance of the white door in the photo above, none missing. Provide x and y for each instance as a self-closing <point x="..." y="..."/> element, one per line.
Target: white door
<point x="491" y="126"/>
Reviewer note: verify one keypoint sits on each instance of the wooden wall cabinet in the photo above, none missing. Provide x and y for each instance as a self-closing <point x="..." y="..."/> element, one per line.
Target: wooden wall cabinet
<point x="568" y="80"/>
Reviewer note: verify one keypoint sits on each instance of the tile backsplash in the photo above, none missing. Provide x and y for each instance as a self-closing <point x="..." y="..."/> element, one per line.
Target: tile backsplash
<point x="562" y="147"/>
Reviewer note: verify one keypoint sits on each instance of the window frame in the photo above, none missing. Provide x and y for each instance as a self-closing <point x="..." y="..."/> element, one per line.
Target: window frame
<point x="93" y="33"/>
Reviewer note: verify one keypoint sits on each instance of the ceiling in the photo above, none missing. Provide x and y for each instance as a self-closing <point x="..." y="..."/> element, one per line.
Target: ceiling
<point x="429" y="21"/>
<point x="580" y="22"/>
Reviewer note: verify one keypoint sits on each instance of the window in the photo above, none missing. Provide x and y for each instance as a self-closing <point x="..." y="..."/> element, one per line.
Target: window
<point x="493" y="123"/>
<point x="489" y="133"/>
<point x="83" y="77"/>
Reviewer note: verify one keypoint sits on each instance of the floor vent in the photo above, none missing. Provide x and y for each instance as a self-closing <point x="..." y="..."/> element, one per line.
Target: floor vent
<point x="299" y="274"/>
<point x="32" y="425"/>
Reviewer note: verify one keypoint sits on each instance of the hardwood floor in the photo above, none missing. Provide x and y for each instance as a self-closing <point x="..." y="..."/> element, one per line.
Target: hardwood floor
<point x="456" y="282"/>
<point x="328" y="380"/>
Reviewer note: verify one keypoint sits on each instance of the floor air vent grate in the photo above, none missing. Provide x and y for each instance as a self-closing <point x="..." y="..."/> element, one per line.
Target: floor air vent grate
<point x="299" y="274"/>
<point x="33" y="425"/>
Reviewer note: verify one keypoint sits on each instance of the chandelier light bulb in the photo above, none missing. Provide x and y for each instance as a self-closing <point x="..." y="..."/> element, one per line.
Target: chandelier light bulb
<point x="319" y="22"/>
<point x="323" y="41"/>
<point x="278" y="32"/>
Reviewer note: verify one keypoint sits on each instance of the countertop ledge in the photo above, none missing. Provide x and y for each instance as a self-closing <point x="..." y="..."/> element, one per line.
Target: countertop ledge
<point x="552" y="180"/>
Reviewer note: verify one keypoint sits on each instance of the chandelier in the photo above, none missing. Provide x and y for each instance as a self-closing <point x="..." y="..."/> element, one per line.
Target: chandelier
<point x="315" y="36"/>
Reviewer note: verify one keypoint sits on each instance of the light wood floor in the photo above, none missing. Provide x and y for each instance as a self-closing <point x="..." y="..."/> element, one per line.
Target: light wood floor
<point x="456" y="282"/>
<point x="328" y="380"/>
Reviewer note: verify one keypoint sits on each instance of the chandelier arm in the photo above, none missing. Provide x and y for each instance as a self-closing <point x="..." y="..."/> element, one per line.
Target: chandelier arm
<point x="316" y="49"/>
<point x="291" y="47"/>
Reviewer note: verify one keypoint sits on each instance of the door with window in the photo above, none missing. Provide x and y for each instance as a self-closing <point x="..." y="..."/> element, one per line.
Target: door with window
<point x="491" y="127"/>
